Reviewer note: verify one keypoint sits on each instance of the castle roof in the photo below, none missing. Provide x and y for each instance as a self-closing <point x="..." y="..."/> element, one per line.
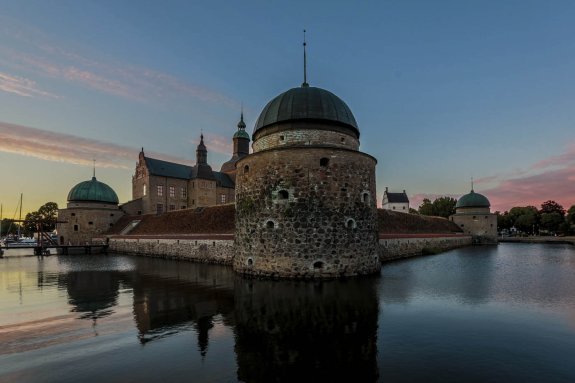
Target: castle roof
<point x="307" y="104"/>
<point x="174" y="170"/>
<point x="92" y="191"/>
<point x="472" y="199"/>
<point x="397" y="197"/>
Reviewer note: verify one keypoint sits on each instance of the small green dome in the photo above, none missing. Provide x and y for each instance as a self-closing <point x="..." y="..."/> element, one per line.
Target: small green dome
<point x="93" y="191"/>
<point x="472" y="200"/>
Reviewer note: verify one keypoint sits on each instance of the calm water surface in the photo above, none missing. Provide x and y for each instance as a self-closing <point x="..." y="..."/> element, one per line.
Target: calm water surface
<point x="481" y="314"/>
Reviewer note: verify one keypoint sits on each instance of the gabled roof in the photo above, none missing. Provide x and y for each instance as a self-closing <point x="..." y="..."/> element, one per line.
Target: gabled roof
<point x="397" y="197"/>
<point x="168" y="169"/>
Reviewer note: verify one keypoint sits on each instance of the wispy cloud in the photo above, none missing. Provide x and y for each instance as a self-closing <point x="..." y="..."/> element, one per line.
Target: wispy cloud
<point x="552" y="178"/>
<point x="52" y="146"/>
<point x="46" y="58"/>
<point x="21" y="86"/>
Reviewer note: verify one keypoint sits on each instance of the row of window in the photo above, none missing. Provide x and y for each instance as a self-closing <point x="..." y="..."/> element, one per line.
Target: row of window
<point x="183" y="191"/>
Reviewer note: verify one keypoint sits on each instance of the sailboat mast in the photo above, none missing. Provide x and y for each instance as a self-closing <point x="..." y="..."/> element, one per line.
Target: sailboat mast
<point x="20" y="218"/>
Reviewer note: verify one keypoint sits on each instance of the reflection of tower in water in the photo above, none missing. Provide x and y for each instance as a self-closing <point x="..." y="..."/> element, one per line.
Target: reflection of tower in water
<point x="323" y="331"/>
<point x="93" y="294"/>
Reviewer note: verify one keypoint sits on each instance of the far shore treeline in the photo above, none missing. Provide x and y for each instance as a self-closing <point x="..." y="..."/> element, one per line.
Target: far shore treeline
<point x="550" y="219"/>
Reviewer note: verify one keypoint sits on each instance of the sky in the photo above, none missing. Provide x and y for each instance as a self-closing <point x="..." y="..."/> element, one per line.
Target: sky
<point x="443" y="91"/>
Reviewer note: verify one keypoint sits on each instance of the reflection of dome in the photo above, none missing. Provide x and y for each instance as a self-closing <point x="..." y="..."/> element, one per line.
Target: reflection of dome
<point x="472" y="200"/>
<point x="307" y="104"/>
<point x="93" y="191"/>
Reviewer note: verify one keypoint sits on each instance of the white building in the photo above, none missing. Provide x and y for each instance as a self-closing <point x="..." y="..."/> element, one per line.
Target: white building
<point x="395" y="201"/>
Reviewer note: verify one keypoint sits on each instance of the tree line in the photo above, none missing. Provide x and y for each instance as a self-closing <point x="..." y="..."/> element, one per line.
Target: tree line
<point x="46" y="216"/>
<point x="551" y="218"/>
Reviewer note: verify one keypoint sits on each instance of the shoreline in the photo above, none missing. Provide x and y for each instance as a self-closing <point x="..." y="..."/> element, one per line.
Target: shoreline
<point x="549" y="240"/>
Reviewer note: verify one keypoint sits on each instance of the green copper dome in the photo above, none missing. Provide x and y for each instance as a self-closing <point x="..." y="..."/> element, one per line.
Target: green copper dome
<point x="93" y="191"/>
<point x="472" y="200"/>
<point x="307" y="104"/>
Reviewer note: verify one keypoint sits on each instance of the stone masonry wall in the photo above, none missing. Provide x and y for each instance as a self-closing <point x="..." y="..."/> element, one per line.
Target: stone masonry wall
<point x="218" y="251"/>
<point x="306" y="137"/>
<point x="306" y="212"/>
<point x="397" y="247"/>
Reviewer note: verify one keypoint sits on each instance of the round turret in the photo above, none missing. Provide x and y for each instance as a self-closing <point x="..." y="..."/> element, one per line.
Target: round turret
<point x="92" y="191"/>
<point x="305" y="197"/>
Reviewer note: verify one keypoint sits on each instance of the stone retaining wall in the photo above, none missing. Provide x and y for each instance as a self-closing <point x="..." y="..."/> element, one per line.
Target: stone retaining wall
<point x="198" y="250"/>
<point x="405" y="246"/>
<point x="220" y="249"/>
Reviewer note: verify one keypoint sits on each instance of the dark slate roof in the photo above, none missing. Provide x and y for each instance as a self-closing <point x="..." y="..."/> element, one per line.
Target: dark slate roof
<point x="168" y="169"/>
<point x="397" y="198"/>
<point x="224" y="180"/>
<point x="306" y="103"/>
<point x="174" y="170"/>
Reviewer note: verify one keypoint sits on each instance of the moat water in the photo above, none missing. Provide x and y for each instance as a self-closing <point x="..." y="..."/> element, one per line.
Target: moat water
<point x="480" y="314"/>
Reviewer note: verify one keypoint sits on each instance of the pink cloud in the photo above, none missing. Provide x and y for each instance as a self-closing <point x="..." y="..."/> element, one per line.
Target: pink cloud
<point x="21" y="86"/>
<point x="126" y="81"/>
<point x="52" y="146"/>
<point x="557" y="185"/>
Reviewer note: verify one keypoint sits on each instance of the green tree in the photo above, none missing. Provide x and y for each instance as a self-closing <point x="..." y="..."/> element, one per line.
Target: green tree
<point x="444" y="206"/>
<point x="503" y="220"/>
<point x="45" y="216"/>
<point x="524" y="218"/>
<point x="426" y="207"/>
<point x="571" y="215"/>
<point x="548" y="207"/>
<point x="552" y="221"/>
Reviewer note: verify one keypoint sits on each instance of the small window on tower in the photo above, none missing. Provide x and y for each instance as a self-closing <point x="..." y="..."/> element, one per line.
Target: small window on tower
<point x="246" y="169"/>
<point x="324" y="162"/>
<point x="75" y="227"/>
<point x="283" y="194"/>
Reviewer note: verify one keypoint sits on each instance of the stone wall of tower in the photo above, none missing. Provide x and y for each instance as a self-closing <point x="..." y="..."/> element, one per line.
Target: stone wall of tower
<point x="305" y="135"/>
<point x="81" y="222"/>
<point x="477" y="222"/>
<point x="306" y="212"/>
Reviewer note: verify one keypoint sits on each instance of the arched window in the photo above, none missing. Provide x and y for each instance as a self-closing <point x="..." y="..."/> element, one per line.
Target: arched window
<point x="250" y="262"/>
<point x="270" y="224"/>
<point x="324" y="162"/>
<point x="283" y="194"/>
<point x="144" y="189"/>
<point x="246" y="169"/>
<point x="365" y="197"/>
<point x="350" y="223"/>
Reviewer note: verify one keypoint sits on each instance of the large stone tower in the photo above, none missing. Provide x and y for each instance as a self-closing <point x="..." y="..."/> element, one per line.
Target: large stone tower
<point x="305" y="197"/>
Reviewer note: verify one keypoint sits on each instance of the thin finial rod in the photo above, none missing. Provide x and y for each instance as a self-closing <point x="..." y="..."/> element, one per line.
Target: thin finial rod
<point x="94" y="173"/>
<point x="471" y="183"/>
<point x="304" y="62"/>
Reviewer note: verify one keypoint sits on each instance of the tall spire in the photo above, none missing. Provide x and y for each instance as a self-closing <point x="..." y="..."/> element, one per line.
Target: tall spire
<point x="201" y="151"/>
<point x="305" y="84"/>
